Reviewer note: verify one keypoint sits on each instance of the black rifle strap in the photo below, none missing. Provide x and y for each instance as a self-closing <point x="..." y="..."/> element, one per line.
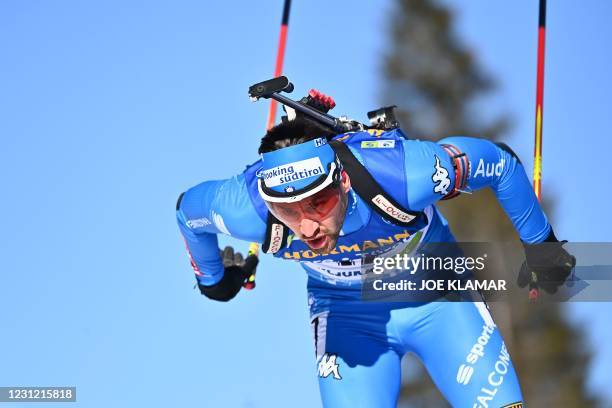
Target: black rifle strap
<point x="276" y="235"/>
<point x="369" y="190"/>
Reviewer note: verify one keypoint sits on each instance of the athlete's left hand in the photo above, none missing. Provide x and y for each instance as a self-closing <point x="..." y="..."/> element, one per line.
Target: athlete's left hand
<point x="547" y="265"/>
<point x="237" y="272"/>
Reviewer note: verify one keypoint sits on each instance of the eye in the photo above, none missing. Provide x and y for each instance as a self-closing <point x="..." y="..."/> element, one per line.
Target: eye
<point x="289" y="213"/>
<point x="311" y="209"/>
<point x="317" y="201"/>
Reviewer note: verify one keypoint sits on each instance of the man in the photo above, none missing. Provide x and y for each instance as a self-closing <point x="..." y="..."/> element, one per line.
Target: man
<point x="332" y="202"/>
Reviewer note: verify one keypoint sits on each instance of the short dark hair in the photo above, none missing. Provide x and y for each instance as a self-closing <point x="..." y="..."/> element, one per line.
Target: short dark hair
<point x="289" y="133"/>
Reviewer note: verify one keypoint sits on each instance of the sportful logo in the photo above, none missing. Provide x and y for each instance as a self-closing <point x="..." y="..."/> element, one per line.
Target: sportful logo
<point x="440" y="176"/>
<point x="295" y="171"/>
<point x="328" y="366"/>
<point x="464" y="375"/>
<point x="384" y="204"/>
<point x="465" y="371"/>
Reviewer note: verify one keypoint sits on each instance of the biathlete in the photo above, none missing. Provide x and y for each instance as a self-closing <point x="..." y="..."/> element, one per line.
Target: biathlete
<point x="331" y="201"/>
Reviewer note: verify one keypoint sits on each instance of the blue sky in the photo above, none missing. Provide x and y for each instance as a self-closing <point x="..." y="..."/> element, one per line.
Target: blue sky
<point x="110" y="109"/>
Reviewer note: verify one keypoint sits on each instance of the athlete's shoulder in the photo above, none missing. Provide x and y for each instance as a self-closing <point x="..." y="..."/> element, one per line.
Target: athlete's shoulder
<point x="417" y="172"/>
<point x="429" y="172"/>
<point x="378" y="150"/>
<point x="222" y="206"/>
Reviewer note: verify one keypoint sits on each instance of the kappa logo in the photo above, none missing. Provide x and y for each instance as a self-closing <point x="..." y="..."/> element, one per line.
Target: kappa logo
<point x="328" y="366"/>
<point x="441" y="177"/>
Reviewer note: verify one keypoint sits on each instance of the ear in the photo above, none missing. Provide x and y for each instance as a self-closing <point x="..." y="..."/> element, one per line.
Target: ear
<point x="345" y="181"/>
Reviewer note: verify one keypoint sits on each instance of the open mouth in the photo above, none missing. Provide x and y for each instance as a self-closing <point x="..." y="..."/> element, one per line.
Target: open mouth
<point x="317" y="243"/>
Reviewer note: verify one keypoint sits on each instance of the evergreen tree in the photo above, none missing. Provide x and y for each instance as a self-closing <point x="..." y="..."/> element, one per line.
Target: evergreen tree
<point x="434" y="80"/>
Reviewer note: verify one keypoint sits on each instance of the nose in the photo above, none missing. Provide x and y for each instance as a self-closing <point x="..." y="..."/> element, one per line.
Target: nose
<point x="308" y="228"/>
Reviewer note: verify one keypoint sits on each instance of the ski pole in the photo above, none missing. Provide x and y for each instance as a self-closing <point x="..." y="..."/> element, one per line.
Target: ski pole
<point x="539" y="117"/>
<point x="280" y="56"/>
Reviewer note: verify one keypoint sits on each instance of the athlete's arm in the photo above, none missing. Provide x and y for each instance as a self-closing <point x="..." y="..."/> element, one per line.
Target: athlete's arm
<point x="431" y="176"/>
<point x="210" y="208"/>
<point x="496" y="166"/>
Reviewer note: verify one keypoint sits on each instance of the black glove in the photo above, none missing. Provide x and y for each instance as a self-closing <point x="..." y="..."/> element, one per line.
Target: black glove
<point x="237" y="271"/>
<point x="547" y="265"/>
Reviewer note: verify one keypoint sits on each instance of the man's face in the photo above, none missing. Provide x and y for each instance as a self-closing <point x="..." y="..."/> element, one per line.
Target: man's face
<point x="317" y="219"/>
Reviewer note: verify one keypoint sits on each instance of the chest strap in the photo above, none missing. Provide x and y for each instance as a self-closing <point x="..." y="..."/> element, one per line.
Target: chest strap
<point x="371" y="192"/>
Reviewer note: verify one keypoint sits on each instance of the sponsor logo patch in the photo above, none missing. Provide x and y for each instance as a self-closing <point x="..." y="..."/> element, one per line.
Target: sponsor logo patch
<point x="494" y="380"/>
<point x="384" y="204"/>
<point x="378" y="144"/>
<point x="295" y="171"/>
<point x="320" y="142"/>
<point x="489" y="169"/>
<point x="198" y="223"/>
<point x="351" y="248"/>
<point x="276" y="238"/>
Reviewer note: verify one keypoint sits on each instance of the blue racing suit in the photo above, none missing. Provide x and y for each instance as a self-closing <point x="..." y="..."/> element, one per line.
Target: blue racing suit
<point x="358" y="344"/>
